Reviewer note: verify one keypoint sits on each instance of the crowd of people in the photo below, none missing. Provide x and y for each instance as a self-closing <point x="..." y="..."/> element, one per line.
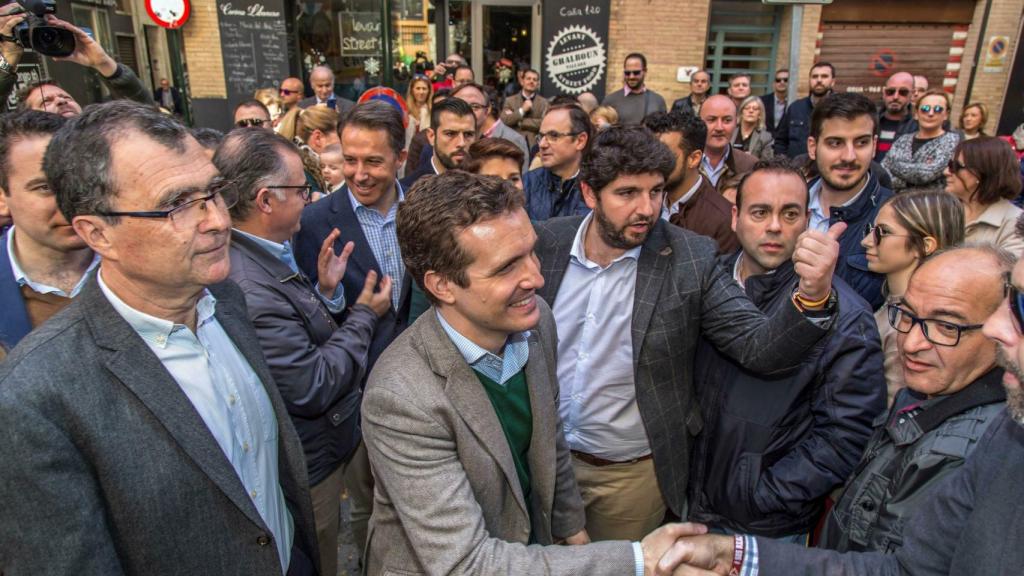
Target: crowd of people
<point x="526" y="336"/>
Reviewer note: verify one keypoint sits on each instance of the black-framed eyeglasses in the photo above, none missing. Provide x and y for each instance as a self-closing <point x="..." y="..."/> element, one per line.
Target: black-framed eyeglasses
<point x="632" y="72"/>
<point x="938" y="332"/>
<point x="477" y="107"/>
<point x="877" y="233"/>
<point x="553" y="136"/>
<point x="901" y="91"/>
<point x="187" y="212"/>
<point x="253" y="122"/>
<point x="1016" y="302"/>
<point x="926" y="108"/>
<point x="305" y="190"/>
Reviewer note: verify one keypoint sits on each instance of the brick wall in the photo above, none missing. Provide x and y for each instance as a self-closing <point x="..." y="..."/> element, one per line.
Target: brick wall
<point x="808" y="40"/>
<point x="670" y="33"/>
<point x="989" y="87"/>
<point x="202" y="51"/>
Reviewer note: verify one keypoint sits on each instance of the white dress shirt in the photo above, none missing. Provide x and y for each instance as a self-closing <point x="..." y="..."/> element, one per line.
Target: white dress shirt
<point x="23" y="280"/>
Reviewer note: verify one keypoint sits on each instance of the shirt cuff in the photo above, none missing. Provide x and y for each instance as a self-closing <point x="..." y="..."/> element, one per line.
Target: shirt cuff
<point x="750" y="567"/>
<point x="335" y="305"/>
<point x="638" y="559"/>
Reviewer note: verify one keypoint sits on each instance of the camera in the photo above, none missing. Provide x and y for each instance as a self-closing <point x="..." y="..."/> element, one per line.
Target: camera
<point x="35" y="34"/>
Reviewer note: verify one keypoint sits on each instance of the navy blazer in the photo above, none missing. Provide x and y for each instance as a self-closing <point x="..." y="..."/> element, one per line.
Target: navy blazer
<point x="335" y="211"/>
<point x="14" y="322"/>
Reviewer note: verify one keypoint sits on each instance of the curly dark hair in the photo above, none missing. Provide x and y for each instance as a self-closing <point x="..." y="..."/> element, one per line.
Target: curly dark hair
<point x="625" y="150"/>
<point x="693" y="130"/>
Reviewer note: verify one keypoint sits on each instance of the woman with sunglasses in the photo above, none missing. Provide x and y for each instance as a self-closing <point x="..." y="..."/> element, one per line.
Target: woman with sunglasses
<point x="972" y="120"/>
<point x="984" y="175"/>
<point x="918" y="160"/>
<point x="751" y="136"/>
<point x="908" y="228"/>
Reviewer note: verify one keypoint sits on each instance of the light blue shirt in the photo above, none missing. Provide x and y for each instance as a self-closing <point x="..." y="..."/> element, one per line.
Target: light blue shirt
<point x="820" y="220"/>
<point x="713" y="173"/>
<point x="498" y="368"/>
<point x="594" y="315"/>
<point x="383" y="239"/>
<point x="229" y="397"/>
<point x="23" y="280"/>
<point x="283" y="252"/>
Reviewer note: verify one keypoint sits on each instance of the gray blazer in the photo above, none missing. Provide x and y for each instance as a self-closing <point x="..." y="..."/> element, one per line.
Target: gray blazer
<point x="683" y="294"/>
<point x="447" y="499"/>
<point x="107" y="467"/>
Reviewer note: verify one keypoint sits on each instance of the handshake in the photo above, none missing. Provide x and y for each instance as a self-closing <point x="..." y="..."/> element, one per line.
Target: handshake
<point x="687" y="550"/>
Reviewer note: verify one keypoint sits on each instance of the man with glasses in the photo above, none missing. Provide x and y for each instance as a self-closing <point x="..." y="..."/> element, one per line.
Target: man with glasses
<point x="291" y="93"/>
<point x="635" y="100"/>
<point x="700" y="84"/>
<point x="774" y="102"/>
<point x="488" y="125"/>
<point x="554" y="188"/>
<point x="897" y="115"/>
<point x="444" y="72"/>
<point x="252" y="114"/>
<point x="316" y="363"/>
<point x="145" y="432"/>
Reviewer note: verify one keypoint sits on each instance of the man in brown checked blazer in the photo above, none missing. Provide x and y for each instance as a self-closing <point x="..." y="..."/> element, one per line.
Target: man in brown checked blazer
<point x="524" y="110"/>
<point x="631" y="295"/>
<point x="460" y="413"/>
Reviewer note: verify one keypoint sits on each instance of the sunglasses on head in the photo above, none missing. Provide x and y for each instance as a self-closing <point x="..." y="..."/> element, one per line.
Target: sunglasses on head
<point x="247" y="122"/>
<point x="632" y="72"/>
<point x="938" y="108"/>
<point x="901" y="91"/>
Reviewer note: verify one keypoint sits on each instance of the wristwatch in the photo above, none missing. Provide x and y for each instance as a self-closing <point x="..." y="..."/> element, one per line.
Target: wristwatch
<point x="5" y="66"/>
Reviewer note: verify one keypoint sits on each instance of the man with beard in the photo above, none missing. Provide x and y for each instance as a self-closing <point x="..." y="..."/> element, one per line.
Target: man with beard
<point x="721" y="162"/>
<point x="488" y="125"/>
<point x="452" y="131"/>
<point x="897" y="115"/>
<point x="690" y="199"/>
<point x="635" y="100"/>
<point x="957" y="510"/>
<point x="791" y="130"/>
<point x="841" y="143"/>
<point x="631" y="295"/>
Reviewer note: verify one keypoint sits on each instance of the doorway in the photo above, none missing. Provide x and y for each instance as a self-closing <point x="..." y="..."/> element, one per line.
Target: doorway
<point x="508" y="32"/>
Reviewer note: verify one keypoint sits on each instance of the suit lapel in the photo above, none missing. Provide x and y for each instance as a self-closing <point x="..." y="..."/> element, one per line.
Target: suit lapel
<point x="541" y="457"/>
<point x="650" y="274"/>
<point x="554" y="256"/>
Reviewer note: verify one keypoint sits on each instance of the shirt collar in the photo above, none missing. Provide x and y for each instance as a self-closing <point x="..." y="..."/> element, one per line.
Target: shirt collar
<point x="22" y="279"/>
<point x="721" y="163"/>
<point x="155" y="330"/>
<point x="577" y="251"/>
<point x="493" y="127"/>
<point x="815" y="192"/>
<point x="627" y="91"/>
<point x="995" y="214"/>
<point x="356" y="204"/>
<point x="515" y="353"/>
<point x="276" y="250"/>
<point x="675" y="207"/>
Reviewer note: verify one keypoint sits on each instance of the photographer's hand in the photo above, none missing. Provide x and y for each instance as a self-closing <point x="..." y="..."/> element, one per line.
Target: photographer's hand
<point x="88" y="52"/>
<point x="12" y="51"/>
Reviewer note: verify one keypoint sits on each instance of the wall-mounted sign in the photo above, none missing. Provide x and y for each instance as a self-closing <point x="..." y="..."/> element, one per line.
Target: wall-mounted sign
<point x="575" y="44"/>
<point x="995" y="58"/>
<point x="169" y="13"/>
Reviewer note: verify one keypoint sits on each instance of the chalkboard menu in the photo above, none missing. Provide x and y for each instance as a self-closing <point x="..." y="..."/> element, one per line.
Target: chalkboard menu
<point x="254" y="45"/>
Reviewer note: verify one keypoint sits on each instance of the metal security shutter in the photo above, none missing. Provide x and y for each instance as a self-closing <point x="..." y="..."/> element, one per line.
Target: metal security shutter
<point x="866" y="54"/>
<point x="126" y="51"/>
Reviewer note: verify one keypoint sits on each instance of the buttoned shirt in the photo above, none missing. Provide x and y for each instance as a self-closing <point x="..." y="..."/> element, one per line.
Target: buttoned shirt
<point x="23" y="280"/>
<point x="820" y="220"/>
<point x="669" y="211"/>
<point x="780" y="109"/>
<point x="627" y="90"/>
<point x="229" y="397"/>
<point x="594" y="315"/>
<point x="500" y="369"/>
<point x="715" y="172"/>
<point x="381" y="234"/>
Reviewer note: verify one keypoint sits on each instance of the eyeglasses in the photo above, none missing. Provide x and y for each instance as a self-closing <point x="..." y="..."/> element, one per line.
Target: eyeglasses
<point x="955" y="166"/>
<point x="632" y="72"/>
<point x="927" y="108"/>
<point x="553" y="136"/>
<point x="782" y="79"/>
<point x="254" y="122"/>
<point x="877" y="233"/>
<point x="305" y="190"/>
<point x="477" y="107"/>
<point x="938" y="332"/>
<point x="1016" y="303"/>
<point x="901" y="91"/>
<point x="287" y="92"/>
<point x="187" y="213"/>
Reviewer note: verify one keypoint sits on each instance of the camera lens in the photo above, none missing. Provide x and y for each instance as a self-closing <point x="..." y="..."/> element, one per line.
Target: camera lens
<point x="53" y="41"/>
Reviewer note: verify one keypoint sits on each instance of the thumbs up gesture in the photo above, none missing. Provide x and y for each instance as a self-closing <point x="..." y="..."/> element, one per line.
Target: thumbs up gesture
<point x="814" y="261"/>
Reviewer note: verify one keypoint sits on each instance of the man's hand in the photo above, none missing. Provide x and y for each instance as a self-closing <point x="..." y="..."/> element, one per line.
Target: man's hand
<point x="578" y="539"/>
<point x="526" y="106"/>
<point x="440" y="71"/>
<point x="706" y="555"/>
<point x="380" y="300"/>
<point x="330" y="268"/>
<point x="88" y="52"/>
<point x="814" y="260"/>
<point x="657" y="543"/>
<point x="12" y="51"/>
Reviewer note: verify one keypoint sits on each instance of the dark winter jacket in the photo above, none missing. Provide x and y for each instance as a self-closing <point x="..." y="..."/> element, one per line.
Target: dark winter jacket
<point x="548" y="196"/>
<point x="794" y="127"/>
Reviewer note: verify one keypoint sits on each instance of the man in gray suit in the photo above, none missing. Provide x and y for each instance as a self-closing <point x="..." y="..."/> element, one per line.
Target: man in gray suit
<point x="631" y="296"/>
<point x="317" y="364"/>
<point x="143" y="431"/>
<point x="321" y="80"/>
<point x="460" y="413"/>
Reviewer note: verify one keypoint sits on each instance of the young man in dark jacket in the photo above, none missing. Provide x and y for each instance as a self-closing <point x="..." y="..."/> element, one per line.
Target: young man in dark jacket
<point x="791" y="131"/>
<point x="774" y="446"/>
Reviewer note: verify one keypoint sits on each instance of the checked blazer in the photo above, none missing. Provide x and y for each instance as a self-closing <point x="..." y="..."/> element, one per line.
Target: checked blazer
<point x="683" y="293"/>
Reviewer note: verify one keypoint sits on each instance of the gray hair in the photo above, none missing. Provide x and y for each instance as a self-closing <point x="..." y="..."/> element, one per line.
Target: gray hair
<point x="247" y="158"/>
<point x="321" y="68"/>
<point x="78" y="162"/>
<point x="378" y="115"/>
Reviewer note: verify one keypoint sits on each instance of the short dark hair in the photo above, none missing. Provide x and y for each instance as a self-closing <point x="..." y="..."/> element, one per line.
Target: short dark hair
<point x="823" y="64"/>
<point x="531" y="71"/>
<point x="564" y="100"/>
<point x="579" y="121"/>
<point x="454" y="106"/>
<point x="377" y="115"/>
<point x="436" y="210"/>
<point x="637" y="56"/>
<point x="251" y="103"/>
<point x="463" y="67"/>
<point x="737" y="76"/>
<point x="994" y="164"/>
<point x="78" y="160"/>
<point x="847" y="106"/>
<point x="246" y="158"/>
<point x="487" y="148"/>
<point x="16" y="126"/>
<point x="693" y="130"/>
<point x="28" y="88"/>
<point x="208" y="138"/>
<point x="779" y="165"/>
<point x="786" y="70"/>
<point x="625" y="150"/>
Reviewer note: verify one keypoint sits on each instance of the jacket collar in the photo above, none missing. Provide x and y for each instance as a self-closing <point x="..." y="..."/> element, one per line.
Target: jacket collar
<point x="250" y="249"/>
<point x="762" y="288"/>
<point x="868" y="199"/>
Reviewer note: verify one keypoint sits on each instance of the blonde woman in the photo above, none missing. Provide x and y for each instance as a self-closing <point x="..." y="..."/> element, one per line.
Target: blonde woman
<point x="973" y="119"/>
<point x="604" y="116"/>
<point x="908" y="228"/>
<point x="751" y="135"/>
<point x="312" y="129"/>
<point x="270" y="98"/>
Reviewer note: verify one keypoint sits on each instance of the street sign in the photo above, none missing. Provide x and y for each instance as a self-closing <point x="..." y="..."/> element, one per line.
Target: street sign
<point x="796" y="1"/>
<point x="169" y="14"/>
